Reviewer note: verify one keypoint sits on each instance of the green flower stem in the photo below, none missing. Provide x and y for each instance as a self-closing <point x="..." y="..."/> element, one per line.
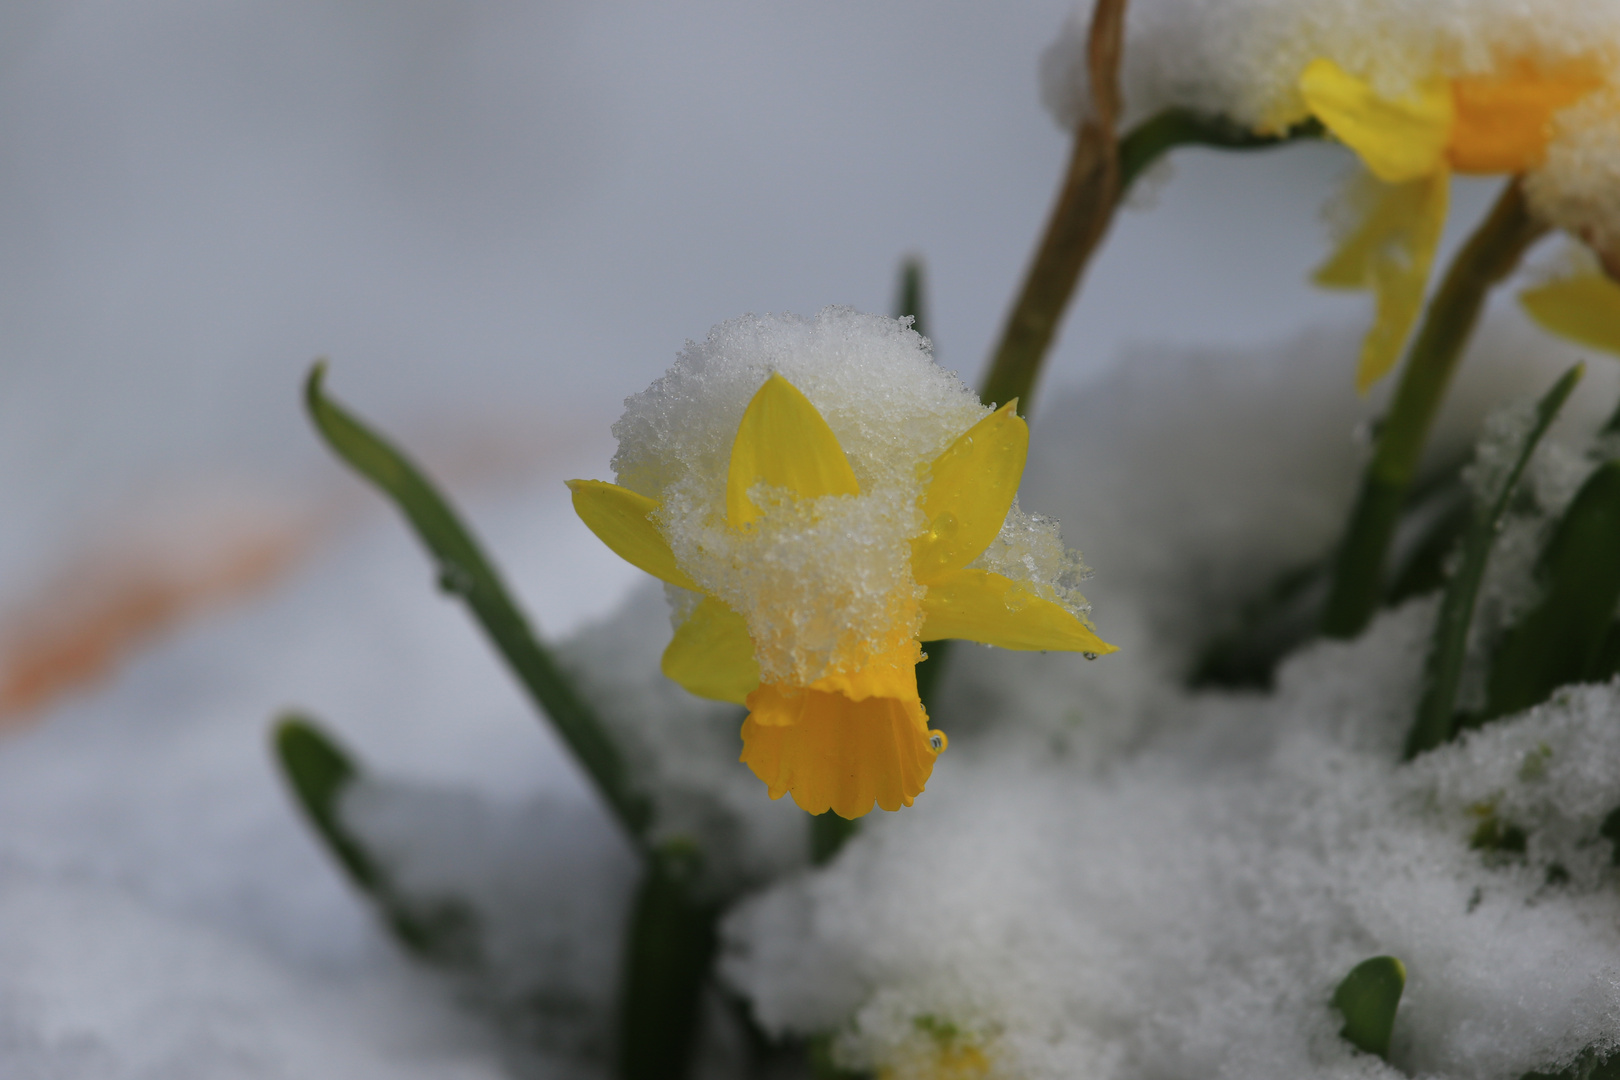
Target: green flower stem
<point x="1436" y="721"/>
<point x="1085" y="206"/>
<point x="1490" y="255"/>
<point x="464" y="570"/>
<point x="1091" y="193"/>
<point x="1156" y="136"/>
<point x="669" y="953"/>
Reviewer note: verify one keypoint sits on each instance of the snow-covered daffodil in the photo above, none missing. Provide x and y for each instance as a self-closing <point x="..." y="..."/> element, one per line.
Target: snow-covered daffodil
<point x="1412" y="143"/>
<point x="839" y="726"/>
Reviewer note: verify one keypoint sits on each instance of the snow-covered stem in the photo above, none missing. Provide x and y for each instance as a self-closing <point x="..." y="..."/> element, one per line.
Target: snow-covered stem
<point x="1491" y="254"/>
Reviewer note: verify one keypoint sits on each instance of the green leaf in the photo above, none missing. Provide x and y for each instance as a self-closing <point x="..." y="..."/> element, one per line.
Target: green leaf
<point x="669" y="953"/>
<point x="911" y="294"/>
<point x="1562" y="639"/>
<point x="1368" y="997"/>
<point x="1436" y="721"/>
<point x="442" y="930"/>
<point x="319" y="771"/>
<point x="465" y="571"/>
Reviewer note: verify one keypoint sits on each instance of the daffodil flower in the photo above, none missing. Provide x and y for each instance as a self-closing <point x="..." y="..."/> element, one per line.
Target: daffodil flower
<point x="847" y="730"/>
<point x="1497" y="123"/>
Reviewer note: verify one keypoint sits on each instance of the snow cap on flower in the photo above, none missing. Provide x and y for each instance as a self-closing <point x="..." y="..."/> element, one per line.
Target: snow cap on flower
<point x="825" y="577"/>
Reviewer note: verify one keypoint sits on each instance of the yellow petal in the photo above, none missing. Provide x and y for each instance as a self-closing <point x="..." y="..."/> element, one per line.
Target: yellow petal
<point x="1398" y="140"/>
<point x="620" y="519"/>
<point x="1584" y="308"/>
<point x="712" y="655"/>
<point x="976" y="605"/>
<point x="1391" y="252"/>
<point x="835" y="754"/>
<point x="970" y="489"/>
<point x="784" y="441"/>
<point x="1503" y="120"/>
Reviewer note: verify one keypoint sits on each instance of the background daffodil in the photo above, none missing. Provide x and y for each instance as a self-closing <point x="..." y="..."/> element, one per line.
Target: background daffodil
<point x="1496" y="123"/>
<point x="834" y="714"/>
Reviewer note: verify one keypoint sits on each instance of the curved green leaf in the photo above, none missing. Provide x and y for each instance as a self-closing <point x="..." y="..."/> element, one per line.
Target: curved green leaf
<point x="1562" y="639"/>
<point x="464" y="570"/>
<point x="1436" y="721"/>
<point x="1368" y="997"/>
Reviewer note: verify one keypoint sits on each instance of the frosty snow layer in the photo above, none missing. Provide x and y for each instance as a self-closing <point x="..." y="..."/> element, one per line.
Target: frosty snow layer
<point x="813" y="574"/>
<point x="1243" y="59"/>
<point x="1115" y="878"/>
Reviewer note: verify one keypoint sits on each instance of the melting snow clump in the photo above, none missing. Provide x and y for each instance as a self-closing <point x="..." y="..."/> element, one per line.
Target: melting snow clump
<point x="815" y="574"/>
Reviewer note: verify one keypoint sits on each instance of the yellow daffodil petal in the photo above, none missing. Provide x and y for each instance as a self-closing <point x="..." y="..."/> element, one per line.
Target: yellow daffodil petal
<point x="712" y="655"/>
<point x="976" y="605"/>
<point x="784" y="441"/>
<point x="620" y="519"/>
<point x="970" y="489"/>
<point x="1584" y="308"/>
<point x="1391" y="252"/>
<point x="835" y="754"/>
<point x="1399" y="140"/>
<point x="1503" y="121"/>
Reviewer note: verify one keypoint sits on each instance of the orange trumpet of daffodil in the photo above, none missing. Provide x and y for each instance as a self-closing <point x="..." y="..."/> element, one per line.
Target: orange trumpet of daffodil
<point x="857" y="733"/>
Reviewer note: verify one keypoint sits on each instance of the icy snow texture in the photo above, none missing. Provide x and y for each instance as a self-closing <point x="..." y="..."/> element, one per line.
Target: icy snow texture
<point x="1115" y="878"/>
<point x="814" y="574"/>
<point x="1243" y="59"/>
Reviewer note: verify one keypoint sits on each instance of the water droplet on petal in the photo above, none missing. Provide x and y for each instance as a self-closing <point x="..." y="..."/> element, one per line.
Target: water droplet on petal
<point x="936" y="742"/>
<point x="1089" y="655"/>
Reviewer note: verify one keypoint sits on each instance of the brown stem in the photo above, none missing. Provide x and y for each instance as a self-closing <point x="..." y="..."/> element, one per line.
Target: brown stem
<point x="1084" y="209"/>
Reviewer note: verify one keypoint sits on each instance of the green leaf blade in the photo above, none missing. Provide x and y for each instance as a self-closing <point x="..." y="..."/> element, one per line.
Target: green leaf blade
<point x="1368" y="998"/>
<point x="1436" y="721"/>
<point x="1564" y="638"/>
<point x="465" y="571"/>
<point x="320" y="772"/>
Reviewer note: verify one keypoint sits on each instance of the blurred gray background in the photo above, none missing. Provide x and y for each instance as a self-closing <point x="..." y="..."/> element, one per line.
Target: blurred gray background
<point x="506" y="215"/>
